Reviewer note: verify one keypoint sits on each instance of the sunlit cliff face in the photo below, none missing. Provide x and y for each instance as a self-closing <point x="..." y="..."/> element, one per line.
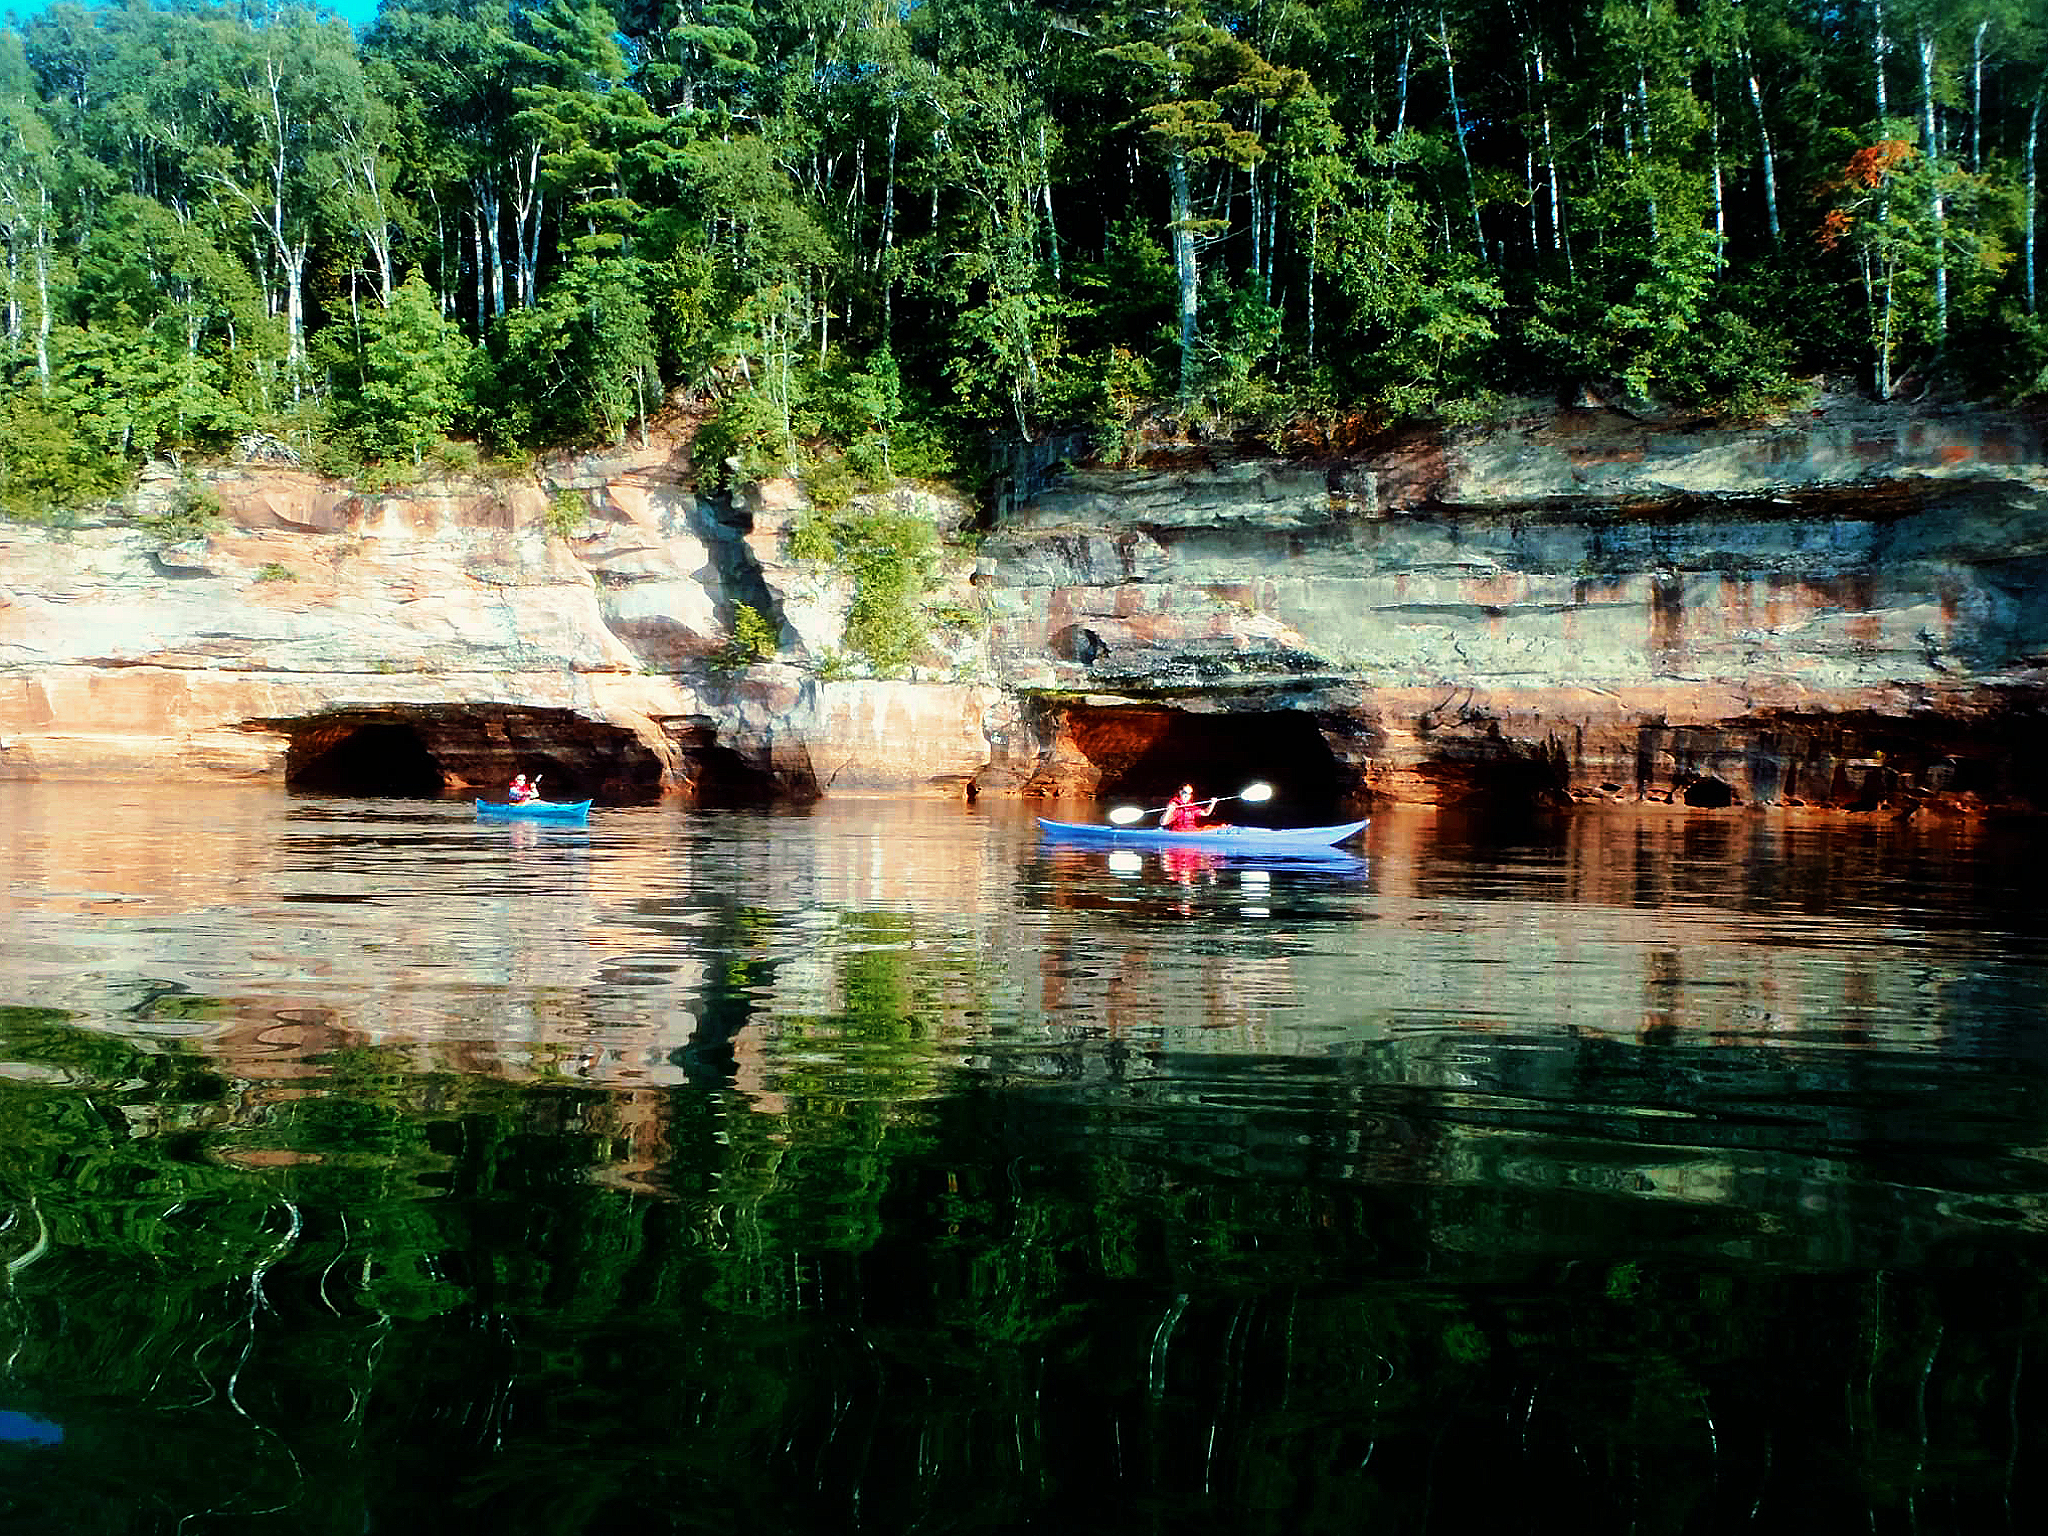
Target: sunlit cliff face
<point x="1845" y="609"/>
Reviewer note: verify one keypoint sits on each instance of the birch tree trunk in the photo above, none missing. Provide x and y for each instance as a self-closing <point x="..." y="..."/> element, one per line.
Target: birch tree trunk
<point x="2033" y="194"/>
<point x="359" y="158"/>
<point x="1052" y="230"/>
<point x="1251" y="192"/>
<point x="1714" y="141"/>
<point x="1649" y="149"/>
<point x="1184" y="265"/>
<point x="1763" y="132"/>
<point x="1314" y="231"/>
<point x="293" y="259"/>
<point x="1557" y="230"/>
<point x="888" y="261"/>
<point x="1936" y="204"/>
<point x="1458" y="122"/>
<point x="42" y="249"/>
<point x="1401" y="88"/>
<point x="1977" y="95"/>
<point x="494" y="234"/>
<point x="1400" y="109"/>
<point x="526" y="211"/>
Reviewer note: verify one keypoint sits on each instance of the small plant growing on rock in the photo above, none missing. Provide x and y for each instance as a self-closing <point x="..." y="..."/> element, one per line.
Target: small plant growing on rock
<point x="450" y="457"/>
<point x="891" y="558"/>
<point x="193" y="513"/>
<point x="567" y="515"/>
<point x="811" y="539"/>
<point x="752" y="640"/>
<point x="751" y="632"/>
<point x="275" y="572"/>
<point x="958" y="616"/>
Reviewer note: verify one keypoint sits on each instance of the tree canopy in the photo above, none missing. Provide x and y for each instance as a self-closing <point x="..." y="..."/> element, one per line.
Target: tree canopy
<point x="218" y="217"/>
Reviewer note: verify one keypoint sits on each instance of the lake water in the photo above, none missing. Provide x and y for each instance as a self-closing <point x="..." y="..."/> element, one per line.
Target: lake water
<point x="882" y="1168"/>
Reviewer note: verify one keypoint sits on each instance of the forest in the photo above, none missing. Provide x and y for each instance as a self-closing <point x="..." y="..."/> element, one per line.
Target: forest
<point x="870" y="240"/>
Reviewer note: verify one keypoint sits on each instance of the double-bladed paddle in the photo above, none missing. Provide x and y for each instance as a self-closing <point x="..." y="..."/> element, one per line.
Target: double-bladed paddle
<point x="1124" y="815"/>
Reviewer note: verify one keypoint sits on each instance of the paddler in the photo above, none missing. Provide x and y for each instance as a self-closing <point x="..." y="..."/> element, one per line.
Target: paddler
<point x="1183" y="814"/>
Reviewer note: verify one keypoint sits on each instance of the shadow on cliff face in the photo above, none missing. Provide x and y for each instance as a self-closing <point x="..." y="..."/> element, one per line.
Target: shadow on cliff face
<point x="426" y="753"/>
<point x="378" y="761"/>
<point x="1994" y="756"/>
<point x="1146" y="752"/>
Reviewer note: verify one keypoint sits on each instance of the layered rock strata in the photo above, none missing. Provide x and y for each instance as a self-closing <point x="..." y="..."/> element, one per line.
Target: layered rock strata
<point x="1842" y="608"/>
<point x="1839" y="607"/>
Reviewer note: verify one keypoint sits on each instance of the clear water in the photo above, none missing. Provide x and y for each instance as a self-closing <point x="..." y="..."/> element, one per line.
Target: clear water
<point x="883" y="1168"/>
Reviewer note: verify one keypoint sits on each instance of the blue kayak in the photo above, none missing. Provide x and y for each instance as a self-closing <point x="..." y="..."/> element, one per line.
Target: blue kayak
<point x="1218" y="839"/>
<point x="535" y="810"/>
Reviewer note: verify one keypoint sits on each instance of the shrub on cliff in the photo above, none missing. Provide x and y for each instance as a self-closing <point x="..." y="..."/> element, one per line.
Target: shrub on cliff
<point x="402" y="374"/>
<point x="46" y="467"/>
<point x="576" y="365"/>
<point x="891" y="558"/>
<point x="743" y="442"/>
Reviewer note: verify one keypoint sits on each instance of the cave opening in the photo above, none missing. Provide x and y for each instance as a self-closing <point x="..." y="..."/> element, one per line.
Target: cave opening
<point x="1713" y="794"/>
<point x="428" y="753"/>
<point x="377" y="760"/>
<point x="1145" y="754"/>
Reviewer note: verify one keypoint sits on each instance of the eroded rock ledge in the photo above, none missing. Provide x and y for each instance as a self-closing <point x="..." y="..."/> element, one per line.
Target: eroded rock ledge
<point x="1843" y="607"/>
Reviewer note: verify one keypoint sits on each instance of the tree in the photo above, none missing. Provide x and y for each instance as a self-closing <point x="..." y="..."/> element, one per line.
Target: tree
<point x="1189" y="74"/>
<point x="578" y="364"/>
<point x="410" y="376"/>
<point x="28" y="179"/>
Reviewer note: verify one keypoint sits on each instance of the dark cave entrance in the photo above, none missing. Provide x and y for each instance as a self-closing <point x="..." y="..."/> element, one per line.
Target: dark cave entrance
<point x="1145" y="754"/>
<point x="429" y="753"/>
<point x="376" y="759"/>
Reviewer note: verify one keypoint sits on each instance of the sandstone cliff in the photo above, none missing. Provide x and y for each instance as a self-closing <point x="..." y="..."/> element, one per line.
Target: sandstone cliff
<point x="1842" y="606"/>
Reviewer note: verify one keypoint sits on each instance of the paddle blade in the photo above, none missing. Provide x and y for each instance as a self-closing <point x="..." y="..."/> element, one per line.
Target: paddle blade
<point x="1124" y="815"/>
<point x="1257" y="792"/>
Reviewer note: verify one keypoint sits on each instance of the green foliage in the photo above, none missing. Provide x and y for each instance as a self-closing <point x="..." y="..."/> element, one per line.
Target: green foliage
<point x="744" y="442"/>
<point x="1122" y="383"/>
<point x="1237" y="349"/>
<point x="813" y="539"/>
<point x="402" y="377"/>
<point x="48" y="467"/>
<point x="752" y="639"/>
<point x="891" y="239"/>
<point x="2029" y="360"/>
<point x="891" y="557"/>
<point x="194" y="513"/>
<point x="568" y="514"/>
<point x="454" y="458"/>
<point x="831" y="480"/>
<point x="272" y="571"/>
<point x="576" y="366"/>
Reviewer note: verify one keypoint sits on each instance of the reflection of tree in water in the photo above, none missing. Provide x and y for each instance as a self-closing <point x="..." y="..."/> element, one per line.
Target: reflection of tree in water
<point x="1060" y="1300"/>
<point x="738" y="971"/>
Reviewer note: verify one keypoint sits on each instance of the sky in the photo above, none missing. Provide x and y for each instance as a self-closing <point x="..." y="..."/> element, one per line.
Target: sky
<point x="358" y="13"/>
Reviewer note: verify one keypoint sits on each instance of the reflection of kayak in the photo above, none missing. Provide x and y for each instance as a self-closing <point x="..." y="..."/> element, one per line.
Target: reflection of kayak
<point x="1225" y="840"/>
<point x="536" y="810"/>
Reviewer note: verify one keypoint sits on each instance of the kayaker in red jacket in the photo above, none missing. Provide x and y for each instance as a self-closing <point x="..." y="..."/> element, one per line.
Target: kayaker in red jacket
<point x="1182" y="814"/>
<point x="519" y="791"/>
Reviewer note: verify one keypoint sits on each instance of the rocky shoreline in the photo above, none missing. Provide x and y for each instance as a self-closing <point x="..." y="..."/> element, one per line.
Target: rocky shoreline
<point x="1840" y="608"/>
